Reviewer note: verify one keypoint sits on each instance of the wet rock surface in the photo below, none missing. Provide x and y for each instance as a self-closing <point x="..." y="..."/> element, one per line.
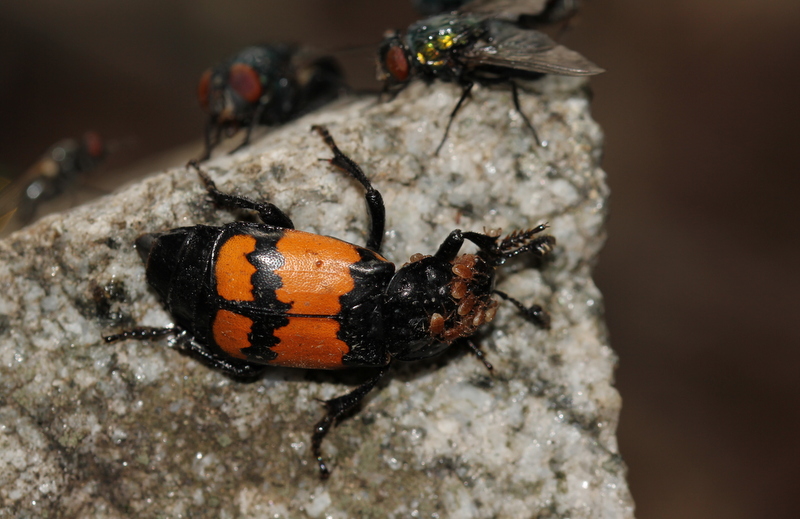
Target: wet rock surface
<point x="135" y="428"/>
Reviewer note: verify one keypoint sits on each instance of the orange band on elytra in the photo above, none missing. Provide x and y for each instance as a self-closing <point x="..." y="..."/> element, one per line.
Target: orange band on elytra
<point x="316" y="272"/>
<point x="309" y="343"/>
<point x="231" y="332"/>
<point x="233" y="271"/>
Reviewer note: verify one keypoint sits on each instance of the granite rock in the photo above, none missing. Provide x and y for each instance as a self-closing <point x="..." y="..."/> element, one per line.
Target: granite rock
<point x="135" y="428"/>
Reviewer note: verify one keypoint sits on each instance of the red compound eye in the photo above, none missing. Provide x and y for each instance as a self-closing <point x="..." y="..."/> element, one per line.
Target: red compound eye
<point x="396" y="63"/>
<point x="244" y="81"/>
<point x="203" y="88"/>
<point x="94" y="144"/>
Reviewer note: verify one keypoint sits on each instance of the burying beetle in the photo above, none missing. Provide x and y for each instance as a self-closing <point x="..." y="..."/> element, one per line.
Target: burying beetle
<point x="264" y="84"/>
<point x="246" y="296"/>
<point x="472" y="45"/>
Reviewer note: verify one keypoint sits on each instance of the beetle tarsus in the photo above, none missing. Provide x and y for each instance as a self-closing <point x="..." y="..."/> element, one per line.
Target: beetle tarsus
<point x="336" y="407"/>
<point x="534" y="313"/>
<point x="377" y="211"/>
<point x="479" y="353"/>
<point x="141" y="334"/>
<point x="269" y="213"/>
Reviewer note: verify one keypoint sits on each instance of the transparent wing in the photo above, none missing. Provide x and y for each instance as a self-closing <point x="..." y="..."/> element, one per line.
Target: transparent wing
<point x="504" y="8"/>
<point x="14" y="198"/>
<point x="510" y="46"/>
<point x="10" y="193"/>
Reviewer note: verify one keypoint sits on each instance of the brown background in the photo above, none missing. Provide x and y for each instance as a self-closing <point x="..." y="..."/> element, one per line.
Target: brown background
<point x="701" y="110"/>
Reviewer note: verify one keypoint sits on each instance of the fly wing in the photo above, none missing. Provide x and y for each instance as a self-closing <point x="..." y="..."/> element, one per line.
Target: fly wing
<point x="13" y="198"/>
<point x="10" y="196"/>
<point x="510" y="46"/>
<point x="504" y="8"/>
<point x="9" y="199"/>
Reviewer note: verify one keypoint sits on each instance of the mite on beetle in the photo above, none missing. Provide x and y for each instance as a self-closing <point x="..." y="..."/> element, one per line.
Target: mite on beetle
<point x="246" y="296"/>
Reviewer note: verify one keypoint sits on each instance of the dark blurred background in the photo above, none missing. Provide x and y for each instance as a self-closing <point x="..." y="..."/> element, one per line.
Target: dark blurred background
<point x="700" y="109"/>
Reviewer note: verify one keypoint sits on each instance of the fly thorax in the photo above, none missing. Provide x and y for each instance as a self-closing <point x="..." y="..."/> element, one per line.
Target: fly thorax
<point x="434" y="41"/>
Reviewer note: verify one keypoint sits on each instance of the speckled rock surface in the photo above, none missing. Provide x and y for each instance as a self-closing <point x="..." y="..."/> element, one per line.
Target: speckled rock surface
<point x="137" y="429"/>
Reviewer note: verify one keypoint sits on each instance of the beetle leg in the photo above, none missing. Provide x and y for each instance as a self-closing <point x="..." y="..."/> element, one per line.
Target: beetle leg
<point x="142" y="334"/>
<point x="515" y="97"/>
<point x="187" y="344"/>
<point x="377" y="212"/>
<point x="475" y="348"/>
<point x="233" y="367"/>
<point x="449" y="248"/>
<point x="269" y="213"/>
<point x="337" y="407"/>
<point x="464" y="94"/>
<point x="534" y="313"/>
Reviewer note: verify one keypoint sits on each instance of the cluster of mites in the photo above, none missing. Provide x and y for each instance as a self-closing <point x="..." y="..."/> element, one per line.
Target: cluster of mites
<point x="473" y="309"/>
<point x="384" y="314"/>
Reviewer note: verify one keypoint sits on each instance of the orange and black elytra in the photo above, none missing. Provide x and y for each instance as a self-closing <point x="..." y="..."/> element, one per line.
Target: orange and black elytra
<point x="276" y="296"/>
